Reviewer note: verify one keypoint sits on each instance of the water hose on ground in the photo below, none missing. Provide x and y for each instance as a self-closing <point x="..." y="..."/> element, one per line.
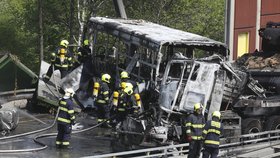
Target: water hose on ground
<point x="44" y="146"/>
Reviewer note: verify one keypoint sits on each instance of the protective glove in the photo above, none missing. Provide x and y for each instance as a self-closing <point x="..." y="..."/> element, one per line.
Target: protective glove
<point x="73" y="122"/>
<point x="115" y="108"/>
<point x="93" y="97"/>
<point x="189" y="138"/>
<point x="136" y="107"/>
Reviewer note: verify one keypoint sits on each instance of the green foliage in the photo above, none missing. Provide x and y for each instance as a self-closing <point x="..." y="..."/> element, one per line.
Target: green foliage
<point x="202" y="17"/>
<point x="19" y="21"/>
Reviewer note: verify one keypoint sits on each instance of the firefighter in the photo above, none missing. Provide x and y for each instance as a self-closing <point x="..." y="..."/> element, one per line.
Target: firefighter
<point x="66" y="119"/>
<point x="84" y="53"/>
<point x="194" y="125"/>
<point x="101" y="97"/>
<point x="126" y="79"/>
<point x="126" y="102"/>
<point x="211" y="134"/>
<point x="61" y="60"/>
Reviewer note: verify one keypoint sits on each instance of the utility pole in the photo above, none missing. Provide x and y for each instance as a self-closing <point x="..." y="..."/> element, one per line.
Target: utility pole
<point x="120" y="10"/>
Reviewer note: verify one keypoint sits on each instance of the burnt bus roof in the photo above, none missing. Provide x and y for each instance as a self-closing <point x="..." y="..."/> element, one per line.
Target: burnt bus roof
<point x="153" y="36"/>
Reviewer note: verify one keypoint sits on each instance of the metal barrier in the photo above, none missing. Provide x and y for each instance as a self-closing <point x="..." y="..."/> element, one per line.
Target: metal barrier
<point x="165" y="151"/>
<point x="245" y="143"/>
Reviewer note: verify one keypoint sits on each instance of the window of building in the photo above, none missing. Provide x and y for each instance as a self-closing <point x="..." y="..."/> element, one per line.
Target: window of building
<point x="243" y="44"/>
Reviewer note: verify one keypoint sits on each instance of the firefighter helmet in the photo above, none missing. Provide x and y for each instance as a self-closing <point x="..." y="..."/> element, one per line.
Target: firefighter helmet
<point x="197" y="106"/>
<point x="216" y="114"/>
<point x="128" y="90"/>
<point x="106" y="78"/>
<point x="124" y="74"/>
<point x="129" y="85"/>
<point x="64" y="43"/>
<point x="86" y="42"/>
<point x="69" y="92"/>
<point x="123" y="85"/>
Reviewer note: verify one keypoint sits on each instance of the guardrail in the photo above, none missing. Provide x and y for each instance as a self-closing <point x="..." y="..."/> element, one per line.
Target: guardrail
<point x="180" y="150"/>
<point x="16" y="95"/>
<point x="165" y="151"/>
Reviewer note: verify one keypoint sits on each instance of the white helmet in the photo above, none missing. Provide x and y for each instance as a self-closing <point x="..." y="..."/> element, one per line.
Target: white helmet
<point x="69" y="92"/>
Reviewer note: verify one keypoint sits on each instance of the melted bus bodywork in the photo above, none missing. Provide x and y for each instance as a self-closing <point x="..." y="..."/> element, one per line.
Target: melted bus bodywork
<point x="171" y="77"/>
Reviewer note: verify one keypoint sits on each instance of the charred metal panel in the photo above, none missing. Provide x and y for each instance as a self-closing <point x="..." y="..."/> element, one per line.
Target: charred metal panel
<point x="153" y="36"/>
<point x="173" y="82"/>
<point x="199" y="85"/>
<point x="233" y="86"/>
<point x="217" y="94"/>
<point x="48" y="92"/>
<point x="167" y="94"/>
<point x="72" y="79"/>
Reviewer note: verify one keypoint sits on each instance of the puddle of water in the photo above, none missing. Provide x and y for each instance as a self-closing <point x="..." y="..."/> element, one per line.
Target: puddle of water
<point x="30" y="116"/>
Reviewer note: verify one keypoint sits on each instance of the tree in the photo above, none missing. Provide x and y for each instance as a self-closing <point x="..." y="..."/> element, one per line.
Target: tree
<point x="22" y="34"/>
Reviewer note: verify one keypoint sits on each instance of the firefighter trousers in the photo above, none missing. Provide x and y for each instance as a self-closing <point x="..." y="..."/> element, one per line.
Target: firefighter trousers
<point x="64" y="134"/>
<point x="195" y="148"/>
<point x="209" y="151"/>
<point x="102" y="112"/>
<point x="63" y="71"/>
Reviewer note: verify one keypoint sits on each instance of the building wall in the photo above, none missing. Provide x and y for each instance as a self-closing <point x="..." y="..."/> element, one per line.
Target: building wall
<point x="245" y="20"/>
<point x="270" y="11"/>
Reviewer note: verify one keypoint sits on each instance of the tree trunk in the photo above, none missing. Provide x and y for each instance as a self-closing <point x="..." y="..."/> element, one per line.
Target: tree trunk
<point x="72" y="9"/>
<point x="41" y="36"/>
<point x="81" y="18"/>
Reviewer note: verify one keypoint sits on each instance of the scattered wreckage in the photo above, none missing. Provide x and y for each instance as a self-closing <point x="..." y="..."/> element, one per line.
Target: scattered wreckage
<point x="175" y="69"/>
<point x="17" y="82"/>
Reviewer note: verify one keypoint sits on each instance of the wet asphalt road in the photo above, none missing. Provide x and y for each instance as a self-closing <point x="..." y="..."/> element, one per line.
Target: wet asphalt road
<point x="93" y="142"/>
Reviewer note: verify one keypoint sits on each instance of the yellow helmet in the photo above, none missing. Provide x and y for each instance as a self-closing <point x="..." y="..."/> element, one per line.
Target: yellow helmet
<point x="64" y="43"/>
<point x="86" y="42"/>
<point x="197" y="106"/>
<point x="124" y="74"/>
<point x="123" y="85"/>
<point x="106" y="78"/>
<point x="216" y="114"/>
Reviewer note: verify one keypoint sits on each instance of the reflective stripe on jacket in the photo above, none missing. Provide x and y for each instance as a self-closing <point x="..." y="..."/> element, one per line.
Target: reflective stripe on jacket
<point x="211" y="133"/>
<point x="194" y="126"/>
<point x="65" y="62"/>
<point x="103" y="93"/>
<point x="66" y="111"/>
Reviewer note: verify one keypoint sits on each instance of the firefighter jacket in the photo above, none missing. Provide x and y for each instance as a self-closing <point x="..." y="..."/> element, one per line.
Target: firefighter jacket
<point x="83" y="53"/>
<point x="194" y="126"/>
<point x="211" y="133"/>
<point x="134" y="84"/>
<point x="103" y="93"/>
<point x="62" y="58"/>
<point x="130" y="102"/>
<point x="66" y="111"/>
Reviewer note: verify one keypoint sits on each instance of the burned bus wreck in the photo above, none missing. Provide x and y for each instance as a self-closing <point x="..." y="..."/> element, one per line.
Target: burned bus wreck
<point x="174" y="69"/>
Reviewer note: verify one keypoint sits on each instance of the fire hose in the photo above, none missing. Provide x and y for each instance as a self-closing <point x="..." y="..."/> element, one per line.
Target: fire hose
<point x="44" y="146"/>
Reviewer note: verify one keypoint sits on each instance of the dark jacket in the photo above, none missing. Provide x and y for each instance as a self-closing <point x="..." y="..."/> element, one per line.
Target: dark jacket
<point x="194" y="126"/>
<point x="84" y="53"/>
<point x="103" y="93"/>
<point x="211" y="133"/>
<point x="58" y="61"/>
<point x="66" y="111"/>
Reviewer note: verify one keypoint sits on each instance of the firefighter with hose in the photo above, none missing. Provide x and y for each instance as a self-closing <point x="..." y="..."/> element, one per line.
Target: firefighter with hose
<point x="65" y="119"/>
